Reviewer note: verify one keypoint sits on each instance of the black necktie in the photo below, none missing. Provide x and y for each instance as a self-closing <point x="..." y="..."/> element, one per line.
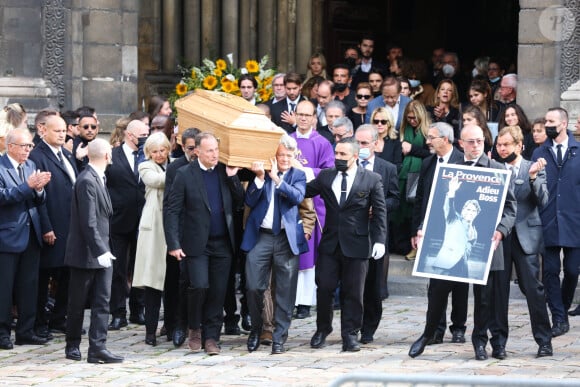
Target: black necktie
<point x="365" y="163"/>
<point x="468" y="162"/>
<point x="59" y="155"/>
<point x="343" y="189"/>
<point x="136" y="163"/>
<point x="292" y="107"/>
<point x="104" y="180"/>
<point x="441" y="159"/>
<point x="559" y="154"/>
<point x="21" y="172"/>
<point x="277" y="221"/>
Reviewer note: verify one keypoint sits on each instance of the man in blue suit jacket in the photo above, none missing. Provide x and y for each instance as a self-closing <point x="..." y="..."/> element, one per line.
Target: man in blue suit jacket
<point x="392" y="99"/>
<point x="21" y="192"/>
<point x="560" y="216"/>
<point x="274" y="236"/>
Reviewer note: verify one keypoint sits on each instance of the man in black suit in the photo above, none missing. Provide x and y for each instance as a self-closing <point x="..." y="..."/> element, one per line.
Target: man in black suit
<point x="50" y="155"/>
<point x="21" y="192"/>
<point x="199" y="229"/>
<point x="349" y="192"/>
<point x="283" y="111"/>
<point x="366" y="47"/>
<point x="128" y="197"/>
<point x="440" y="142"/>
<point x="89" y="257"/>
<point x="367" y="137"/>
<point x="88" y="131"/>
<point x="174" y="294"/>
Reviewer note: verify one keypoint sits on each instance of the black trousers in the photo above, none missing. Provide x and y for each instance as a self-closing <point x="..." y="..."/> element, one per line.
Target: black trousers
<point x="528" y="272"/>
<point x="93" y="285"/>
<point x="351" y="273"/>
<point x="124" y="247"/>
<point x="152" y="307"/>
<point x="485" y="299"/>
<point x="437" y="296"/>
<point x="372" y="300"/>
<point x="60" y="277"/>
<point x="174" y="296"/>
<point x="207" y="283"/>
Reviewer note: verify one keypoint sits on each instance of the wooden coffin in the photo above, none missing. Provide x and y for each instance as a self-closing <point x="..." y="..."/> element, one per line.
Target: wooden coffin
<point x="244" y="132"/>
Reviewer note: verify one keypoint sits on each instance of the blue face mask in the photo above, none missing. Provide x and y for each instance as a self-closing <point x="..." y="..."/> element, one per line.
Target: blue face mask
<point x="494" y="80"/>
<point x="414" y="83"/>
<point x="364" y="153"/>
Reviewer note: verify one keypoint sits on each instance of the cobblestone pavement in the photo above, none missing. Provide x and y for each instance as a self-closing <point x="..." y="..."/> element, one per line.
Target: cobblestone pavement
<point x="402" y="323"/>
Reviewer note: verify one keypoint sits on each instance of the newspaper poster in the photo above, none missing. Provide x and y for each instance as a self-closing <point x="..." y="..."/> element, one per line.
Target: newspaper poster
<point x="464" y="209"/>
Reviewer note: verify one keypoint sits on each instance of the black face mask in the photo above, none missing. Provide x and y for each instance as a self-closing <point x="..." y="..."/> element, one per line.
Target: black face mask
<point x="340" y="87"/>
<point x="141" y="142"/>
<point x="341" y="165"/>
<point x="551" y="132"/>
<point x="511" y="157"/>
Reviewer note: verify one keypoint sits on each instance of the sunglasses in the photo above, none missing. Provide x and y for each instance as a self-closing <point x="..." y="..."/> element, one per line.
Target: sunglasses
<point x="87" y="126"/>
<point x="363" y="96"/>
<point x="382" y="122"/>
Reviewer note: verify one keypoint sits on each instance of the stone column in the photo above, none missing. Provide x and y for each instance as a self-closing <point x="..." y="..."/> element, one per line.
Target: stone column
<point x="192" y="31"/>
<point x="230" y="37"/>
<point x="267" y="29"/>
<point x="303" y="35"/>
<point x="172" y="35"/>
<point x="317" y="26"/>
<point x="291" y="36"/>
<point x="243" y="52"/>
<point x="210" y="28"/>
<point x="282" y="38"/>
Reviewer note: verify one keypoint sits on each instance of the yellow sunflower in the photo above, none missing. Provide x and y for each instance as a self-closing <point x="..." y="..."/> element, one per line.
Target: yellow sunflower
<point x="193" y="75"/>
<point x="264" y="94"/>
<point x="221" y="64"/>
<point x="217" y="72"/>
<point x="252" y="66"/>
<point x="227" y="86"/>
<point x="181" y="89"/>
<point x="210" y="82"/>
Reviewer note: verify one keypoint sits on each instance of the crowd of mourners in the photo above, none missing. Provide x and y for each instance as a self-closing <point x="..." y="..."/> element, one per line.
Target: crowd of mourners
<point x="229" y="249"/>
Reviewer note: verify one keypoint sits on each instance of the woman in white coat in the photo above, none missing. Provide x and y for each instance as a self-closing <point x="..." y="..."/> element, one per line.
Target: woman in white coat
<point x="151" y="247"/>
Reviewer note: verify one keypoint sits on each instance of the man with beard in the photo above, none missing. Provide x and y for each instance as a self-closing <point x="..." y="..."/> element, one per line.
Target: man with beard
<point x="341" y="79"/>
<point x="366" y="48"/>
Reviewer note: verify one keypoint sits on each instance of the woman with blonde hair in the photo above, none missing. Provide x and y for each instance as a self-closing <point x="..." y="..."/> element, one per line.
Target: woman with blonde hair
<point x="118" y="134"/>
<point x="316" y="66"/>
<point x="445" y="105"/>
<point x="388" y="146"/>
<point x="413" y="132"/>
<point x="151" y="252"/>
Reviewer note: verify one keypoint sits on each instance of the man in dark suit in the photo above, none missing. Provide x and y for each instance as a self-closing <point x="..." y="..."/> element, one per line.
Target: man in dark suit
<point x="89" y="257"/>
<point x="50" y="155"/>
<point x="278" y="89"/>
<point x="199" y="229"/>
<point x="524" y="244"/>
<point x="391" y="99"/>
<point x="366" y="47"/>
<point x="283" y="112"/>
<point x="560" y="217"/>
<point x="88" y="131"/>
<point x="440" y="142"/>
<point x="128" y="197"/>
<point x="349" y="192"/>
<point x="174" y="294"/>
<point x="274" y="238"/>
<point x="367" y="137"/>
<point x="21" y="192"/>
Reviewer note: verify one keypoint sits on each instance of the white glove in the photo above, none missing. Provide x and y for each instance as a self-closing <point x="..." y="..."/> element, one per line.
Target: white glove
<point x="106" y="259"/>
<point x="378" y="251"/>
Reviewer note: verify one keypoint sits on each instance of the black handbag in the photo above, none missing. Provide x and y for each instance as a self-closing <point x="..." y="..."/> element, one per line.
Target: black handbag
<point x="411" y="187"/>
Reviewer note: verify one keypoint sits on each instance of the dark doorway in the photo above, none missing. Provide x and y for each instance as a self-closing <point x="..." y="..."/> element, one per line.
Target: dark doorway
<point x="470" y="28"/>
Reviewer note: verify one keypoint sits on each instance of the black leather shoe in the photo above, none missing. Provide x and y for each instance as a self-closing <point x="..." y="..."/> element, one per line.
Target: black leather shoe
<point x="480" y="353"/>
<point x="302" y="311"/>
<point x="232" y="330"/>
<point x="6" y="343"/>
<point x="44" y="332"/>
<point x="277" y="348"/>
<point x="104" y="357"/>
<point x="138" y="319"/>
<point x="58" y="328"/>
<point x="499" y="353"/>
<point x="150" y="339"/>
<point x="178" y="337"/>
<point x="436" y="339"/>
<point x="253" y="340"/>
<point x="118" y="323"/>
<point x="575" y="312"/>
<point x="560" y="328"/>
<point x="366" y="338"/>
<point x="72" y="353"/>
<point x="545" y="350"/>
<point x="246" y="322"/>
<point x="350" y="344"/>
<point x="319" y="339"/>
<point x="31" y="340"/>
<point x="418" y="346"/>
<point x="458" y="336"/>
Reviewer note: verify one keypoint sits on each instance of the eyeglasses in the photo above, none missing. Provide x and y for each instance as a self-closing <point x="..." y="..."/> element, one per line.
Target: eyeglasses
<point x="477" y="141"/>
<point x="302" y="115"/>
<point x="431" y="138"/>
<point x="86" y="127"/>
<point x="363" y="96"/>
<point x="24" y="146"/>
<point x="382" y="122"/>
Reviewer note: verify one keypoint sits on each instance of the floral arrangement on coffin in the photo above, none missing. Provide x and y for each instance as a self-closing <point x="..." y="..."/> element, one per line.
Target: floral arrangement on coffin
<point x="221" y="75"/>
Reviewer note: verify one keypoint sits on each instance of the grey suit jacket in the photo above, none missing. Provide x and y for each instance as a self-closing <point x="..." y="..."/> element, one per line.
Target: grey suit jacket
<point x="91" y="211"/>
<point x="530" y="196"/>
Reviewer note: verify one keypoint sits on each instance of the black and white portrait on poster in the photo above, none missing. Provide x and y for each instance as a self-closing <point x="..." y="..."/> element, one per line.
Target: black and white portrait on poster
<point x="464" y="208"/>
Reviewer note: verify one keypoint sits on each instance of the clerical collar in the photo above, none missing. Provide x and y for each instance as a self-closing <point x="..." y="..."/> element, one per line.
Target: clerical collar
<point x="305" y="135"/>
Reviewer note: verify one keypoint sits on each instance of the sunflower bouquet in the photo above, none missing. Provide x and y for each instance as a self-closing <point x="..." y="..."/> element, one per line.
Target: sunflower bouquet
<point x="221" y="75"/>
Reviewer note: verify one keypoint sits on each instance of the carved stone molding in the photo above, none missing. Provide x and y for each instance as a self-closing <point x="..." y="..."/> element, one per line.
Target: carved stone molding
<point x="570" y="62"/>
<point x="54" y="23"/>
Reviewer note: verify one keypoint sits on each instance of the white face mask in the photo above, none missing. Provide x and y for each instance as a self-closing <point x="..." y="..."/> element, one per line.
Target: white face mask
<point x="474" y="72"/>
<point x="364" y="153"/>
<point x="414" y="82"/>
<point x="448" y="70"/>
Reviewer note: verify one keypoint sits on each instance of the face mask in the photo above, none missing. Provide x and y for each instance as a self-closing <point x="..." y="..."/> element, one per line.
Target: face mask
<point x="364" y="153"/>
<point x="494" y="80"/>
<point x="448" y="70"/>
<point x="551" y="132"/>
<point x="414" y="83"/>
<point x="141" y="142"/>
<point x="511" y="157"/>
<point x="341" y="165"/>
<point x="340" y="87"/>
<point x="474" y="72"/>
